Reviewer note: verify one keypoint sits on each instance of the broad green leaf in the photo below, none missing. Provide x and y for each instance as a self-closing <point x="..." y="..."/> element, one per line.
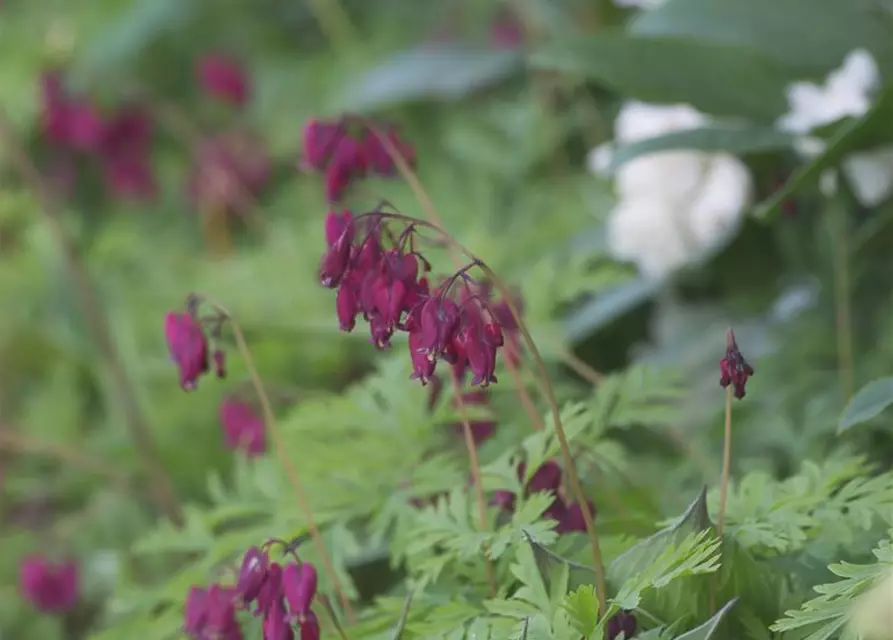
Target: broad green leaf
<point x="707" y="631"/>
<point x="872" y="129"/>
<point x="812" y="35"/>
<point x="868" y="403"/>
<point x="436" y="73"/>
<point x="608" y="306"/>
<point x="729" y="139"/>
<point x="716" y="78"/>
<point x="547" y="561"/>
<point x="641" y="555"/>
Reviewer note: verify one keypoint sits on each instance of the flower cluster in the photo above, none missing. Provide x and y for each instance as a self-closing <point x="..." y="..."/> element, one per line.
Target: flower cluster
<point x="622" y="622"/>
<point x="734" y="369"/>
<point x="674" y="207"/>
<point x="283" y="595"/>
<point x="347" y="149"/>
<point x="121" y="141"/>
<point x="188" y="344"/>
<point x="379" y="275"/>
<point x="548" y="478"/>
<point x="243" y="429"/>
<point x="49" y="587"/>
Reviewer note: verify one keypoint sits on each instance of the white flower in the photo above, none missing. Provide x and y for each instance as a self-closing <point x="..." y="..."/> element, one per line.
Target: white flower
<point x="847" y="92"/>
<point x="673" y="206"/>
<point x="640" y="4"/>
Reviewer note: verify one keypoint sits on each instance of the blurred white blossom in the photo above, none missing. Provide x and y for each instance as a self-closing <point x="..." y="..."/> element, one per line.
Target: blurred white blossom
<point x="673" y="206"/>
<point x="847" y="92"/>
<point x="640" y="4"/>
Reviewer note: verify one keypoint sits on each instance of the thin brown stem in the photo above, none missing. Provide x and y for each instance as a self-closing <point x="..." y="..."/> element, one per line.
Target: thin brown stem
<point x="475" y="465"/>
<point x="723" y="487"/>
<point x="290" y="469"/>
<point x="726" y="463"/>
<point x="542" y="373"/>
<point x="161" y="488"/>
<point x="570" y="467"/>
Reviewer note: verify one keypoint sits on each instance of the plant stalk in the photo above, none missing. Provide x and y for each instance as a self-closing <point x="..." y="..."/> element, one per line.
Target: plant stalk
<point x="160" y="485"/>
<point x="290" y="469"/>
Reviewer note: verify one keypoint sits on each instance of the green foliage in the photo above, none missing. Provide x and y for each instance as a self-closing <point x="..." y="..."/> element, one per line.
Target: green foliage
<point x="868" y="403"/>
<point x="501" y="133"/>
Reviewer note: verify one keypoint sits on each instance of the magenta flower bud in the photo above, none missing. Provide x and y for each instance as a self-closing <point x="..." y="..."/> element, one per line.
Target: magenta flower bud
<point x="481" y="356"/>
<point x="504" y="500"/>
<point x="224" y="78"/>
<point x="221" y="610"/>
<point x="346" y="307"/>
<point x="85" y="126"/>
<point x="546" y="478"/>
<point x="299" y="585"/>
<point x="422" y="366"/>
<point x="336" y="225"/>
<point x="734" y="369"/>
<point x="320" y="139"/>
<point x="310" y="627"/>
<point x="50" y="588"/>
<point x="188" y="347"/>
<point x="271" y="590"/>
<point x="252" y="574"/>
<point x="195" y="612"/>
<point x="572" y="518"/>
<point x="622" y="622"/>
<point x="275" y="623"/>
<point x="243" y="429"/>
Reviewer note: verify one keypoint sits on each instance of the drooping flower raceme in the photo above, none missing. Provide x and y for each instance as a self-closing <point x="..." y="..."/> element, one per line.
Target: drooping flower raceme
<point x="848" y="92"/>
<point x="282" y="595"/>
<point x="673" y="206"/>
<point x="187" y="336"/>
<point x="49" y="587"/>
<point x="373" y="263"/>
<point x="346" y="149"/>
<point x="120" y="140"/>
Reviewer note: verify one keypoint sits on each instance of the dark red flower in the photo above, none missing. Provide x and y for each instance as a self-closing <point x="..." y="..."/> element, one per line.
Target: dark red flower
<point x="73" y="123"/>
<point x="188" y="347"/>
<point x="346" y="149"/>
<point x="310" y="627"/>
<point x="252" y="574"/>
<point x="211" y="613"/>
<point x="571" y="519"/>
<point x="622" y="622"/>
<point x="734" y="369"/>
<point x="243" y="429"/>
<point x="299" y="586"/>
<point x="224" y="78"/>
<point x="49" y="587"/>
<point x="275" y="623"/>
